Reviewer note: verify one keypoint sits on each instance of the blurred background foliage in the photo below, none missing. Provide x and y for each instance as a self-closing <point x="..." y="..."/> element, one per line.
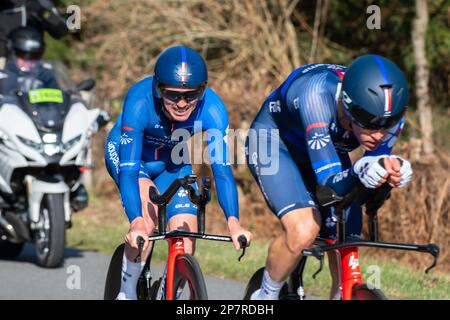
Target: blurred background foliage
<point x="251" y="47"/>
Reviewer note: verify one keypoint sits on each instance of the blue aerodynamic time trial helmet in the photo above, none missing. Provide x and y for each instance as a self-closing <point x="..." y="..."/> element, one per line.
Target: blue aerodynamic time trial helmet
<point x="180" y="67"/>
<point x="374" y="92"/>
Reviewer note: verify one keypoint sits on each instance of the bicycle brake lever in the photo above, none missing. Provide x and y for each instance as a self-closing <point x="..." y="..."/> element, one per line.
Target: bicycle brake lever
<point x="434" y="251"/>
<point x="242" y="254"/>
<point x="141" y="243"/>
<point x="318" y="254"/>
<point x="320" y="268"/>
<point x="243" y="242"/>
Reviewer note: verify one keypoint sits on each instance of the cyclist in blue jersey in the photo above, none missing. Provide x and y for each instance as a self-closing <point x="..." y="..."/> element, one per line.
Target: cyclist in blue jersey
<point x="142" y="151"/>
<point x="318" y="115"/>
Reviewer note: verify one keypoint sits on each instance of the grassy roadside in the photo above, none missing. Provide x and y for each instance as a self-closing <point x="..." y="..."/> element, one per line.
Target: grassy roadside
<point x="93" y="232"/>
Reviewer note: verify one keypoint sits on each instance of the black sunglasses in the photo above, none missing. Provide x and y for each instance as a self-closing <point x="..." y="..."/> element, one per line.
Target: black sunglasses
<point x="368" y="121"/>
<point x="175" y="96"/>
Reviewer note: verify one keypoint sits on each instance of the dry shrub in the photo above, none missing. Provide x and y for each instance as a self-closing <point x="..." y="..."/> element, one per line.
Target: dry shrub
<point x="253" y="41"/>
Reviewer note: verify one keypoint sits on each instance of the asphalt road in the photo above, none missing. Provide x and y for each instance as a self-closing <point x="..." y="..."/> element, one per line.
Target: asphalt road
<point x="82" y="277"/>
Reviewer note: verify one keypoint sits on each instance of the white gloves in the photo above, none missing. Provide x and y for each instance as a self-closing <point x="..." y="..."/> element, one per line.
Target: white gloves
<point x="370" y="170"/>
<point x="405" y="171"/>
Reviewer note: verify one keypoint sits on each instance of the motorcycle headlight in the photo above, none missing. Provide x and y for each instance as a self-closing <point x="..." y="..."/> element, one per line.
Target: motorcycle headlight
<point x="30" y="143"/>
<point x="51" y="149"/>
<point x="49" y="138"/>
<point x="69" y="144"/>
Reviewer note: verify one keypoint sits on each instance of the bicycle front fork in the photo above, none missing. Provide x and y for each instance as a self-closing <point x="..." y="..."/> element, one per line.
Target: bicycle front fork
<point x="350" y="271"/>
<point x="176" y="247"/>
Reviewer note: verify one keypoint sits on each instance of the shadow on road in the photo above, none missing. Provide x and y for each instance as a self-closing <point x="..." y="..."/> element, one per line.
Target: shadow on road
<point x="28" y="254"/>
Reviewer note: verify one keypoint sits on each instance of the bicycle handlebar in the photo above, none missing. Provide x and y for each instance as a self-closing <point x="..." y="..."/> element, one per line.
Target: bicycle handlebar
<point x="165" y="198"/>
<point x="199" y="199"/>
<point x="327" y="197"/>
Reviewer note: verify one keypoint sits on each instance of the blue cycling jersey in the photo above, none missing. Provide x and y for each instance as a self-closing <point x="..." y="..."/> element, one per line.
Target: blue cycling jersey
<point x="147" y="135"/>
<point x="312" y="148"/>
<point x="304" y="109"/>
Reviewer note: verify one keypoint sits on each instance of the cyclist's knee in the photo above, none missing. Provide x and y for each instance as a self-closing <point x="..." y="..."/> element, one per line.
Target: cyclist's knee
<point x="302" y="239"/>
<point x="302" y="229"/>
<point x="189" y="245"/>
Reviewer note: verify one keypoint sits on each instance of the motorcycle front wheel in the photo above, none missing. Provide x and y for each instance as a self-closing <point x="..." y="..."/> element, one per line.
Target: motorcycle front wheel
<point x="50" y="238"/>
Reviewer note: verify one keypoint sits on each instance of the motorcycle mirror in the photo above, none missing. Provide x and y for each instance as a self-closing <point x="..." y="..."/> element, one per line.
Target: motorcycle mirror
<point x="86" y="85"/>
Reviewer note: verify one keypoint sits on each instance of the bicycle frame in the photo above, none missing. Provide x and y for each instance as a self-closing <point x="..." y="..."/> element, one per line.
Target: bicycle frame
<point x="175" y="238"/>
<point x="176" y="247"/>
<point x="348" y="249"/>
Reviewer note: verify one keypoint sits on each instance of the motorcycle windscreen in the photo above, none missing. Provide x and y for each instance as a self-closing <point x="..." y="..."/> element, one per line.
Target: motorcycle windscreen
<point x="47" y="107"/>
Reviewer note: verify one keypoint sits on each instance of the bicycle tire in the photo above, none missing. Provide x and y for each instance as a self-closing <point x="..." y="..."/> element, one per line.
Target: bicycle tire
<point x="254" y="283"/>
<point x="112" y="283"/>
<point x="365" y="292"/>
<point x="187" y="270"/>
<point x="153" y="293"/>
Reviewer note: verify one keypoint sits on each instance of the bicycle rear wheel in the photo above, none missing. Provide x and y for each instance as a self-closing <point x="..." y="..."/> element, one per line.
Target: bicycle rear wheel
<point x="187" y="270"/>
<point x="365" y="292"/>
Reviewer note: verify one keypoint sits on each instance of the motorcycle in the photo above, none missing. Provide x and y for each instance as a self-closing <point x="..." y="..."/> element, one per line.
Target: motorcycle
<point x="45" y="137"/>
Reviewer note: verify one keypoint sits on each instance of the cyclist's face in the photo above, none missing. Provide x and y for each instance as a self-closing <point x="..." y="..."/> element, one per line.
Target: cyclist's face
<point x="179" y="109"/>
<point x="369" y="139"/>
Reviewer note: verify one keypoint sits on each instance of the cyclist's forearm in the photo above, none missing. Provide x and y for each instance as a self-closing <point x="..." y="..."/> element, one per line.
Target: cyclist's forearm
<point x="129" y="191"/>
<point x="226" y="190"/>
<point x="341" y="182"/>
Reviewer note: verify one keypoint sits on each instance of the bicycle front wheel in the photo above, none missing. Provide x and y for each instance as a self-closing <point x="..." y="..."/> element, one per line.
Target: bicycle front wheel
<point x="187" y="270"/>
<point x="365" y="292"/>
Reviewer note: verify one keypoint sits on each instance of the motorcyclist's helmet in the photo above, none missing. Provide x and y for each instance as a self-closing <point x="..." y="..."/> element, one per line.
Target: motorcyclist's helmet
<point x="27" y="43"/>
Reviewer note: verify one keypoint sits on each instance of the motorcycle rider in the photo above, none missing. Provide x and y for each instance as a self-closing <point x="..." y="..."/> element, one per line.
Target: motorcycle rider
<point x="25" y="69"/>
<point x="40" y="14"/>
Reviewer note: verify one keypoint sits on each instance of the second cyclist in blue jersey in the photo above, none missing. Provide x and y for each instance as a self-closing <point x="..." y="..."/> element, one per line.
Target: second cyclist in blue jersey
<point x="141" y="151"/>
<point x="319" y="114"/>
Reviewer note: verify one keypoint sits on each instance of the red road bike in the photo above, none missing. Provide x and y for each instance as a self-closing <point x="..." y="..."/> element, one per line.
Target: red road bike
<point x="182" y="268"/>
<point x="352" y="285"/>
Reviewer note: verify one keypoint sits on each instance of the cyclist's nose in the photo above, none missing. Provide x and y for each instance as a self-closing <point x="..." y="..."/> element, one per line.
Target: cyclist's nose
<point x="182" y="103"/>
<point x="378" y="135"/>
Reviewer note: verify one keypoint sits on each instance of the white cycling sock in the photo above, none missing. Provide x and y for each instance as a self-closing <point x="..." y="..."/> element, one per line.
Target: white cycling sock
<point x="270" y="289"/>
<point x="129" y="278"/>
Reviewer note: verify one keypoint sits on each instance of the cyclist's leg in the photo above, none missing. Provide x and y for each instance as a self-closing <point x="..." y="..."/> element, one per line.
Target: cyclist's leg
<point x="181" y="213"/>
<point x="293" y="204"/>
<point x="149" y="210"/>
<point x="130" y="269"/>
<point x="188" y="222"/>
<point x="300" y="228"/>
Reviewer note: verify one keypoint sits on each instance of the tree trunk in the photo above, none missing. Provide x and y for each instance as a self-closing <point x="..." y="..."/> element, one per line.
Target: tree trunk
<point x="422" y="75"/>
